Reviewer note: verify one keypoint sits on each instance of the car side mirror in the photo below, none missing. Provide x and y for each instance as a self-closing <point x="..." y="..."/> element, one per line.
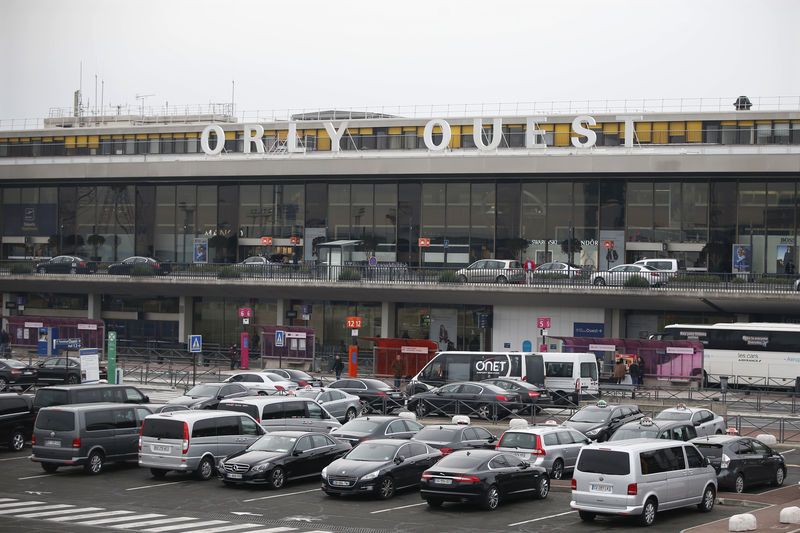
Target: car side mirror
<point x="492" y="438"/>
<point x="525" y="464"/>
<point x="438" y="393"/>
<point x="399" y="459"/>
<point x="147" y="399"/>
<point x="708" y="461"/>
<point x="298" y="452"/>
<point x="697" y="423"/>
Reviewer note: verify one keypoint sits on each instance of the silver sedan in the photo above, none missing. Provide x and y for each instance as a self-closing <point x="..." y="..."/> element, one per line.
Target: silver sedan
<point x="619" y="275"/>
<point x="340" y="404"/>
<point x="263" y="383"/>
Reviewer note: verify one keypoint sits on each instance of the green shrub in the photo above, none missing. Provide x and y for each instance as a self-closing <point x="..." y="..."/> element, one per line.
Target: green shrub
<point x="636" y="281"/>
<point x="698" y="278"/>
<point x="774" y="281"/>
<point x="228" y="272"/>
<point x="738" y="280"/>
<point x="349" y="274"/>
<point x="21" y="268"/>
<point x="549" y="275"/>
<point x="142" y="271"/>
<point x="448" y="276"/>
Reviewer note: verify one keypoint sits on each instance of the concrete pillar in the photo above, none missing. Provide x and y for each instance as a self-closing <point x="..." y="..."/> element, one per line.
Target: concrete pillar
<point x="280" y="312"/>
<point x="185" y="312"/>
<point x="95" y="306"/>
<point x="615" y="328"/>
<point x="388" y="320"/>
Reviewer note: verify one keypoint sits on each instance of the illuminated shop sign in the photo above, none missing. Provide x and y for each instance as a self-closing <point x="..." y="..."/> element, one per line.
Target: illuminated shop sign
<point x="534" y="137"/>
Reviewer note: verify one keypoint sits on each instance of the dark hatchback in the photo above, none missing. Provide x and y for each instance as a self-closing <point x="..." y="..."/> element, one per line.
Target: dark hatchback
<point x="66" y="264"/>
<point x="16" y="373"/>
<point x="208" y="395"/>
<point x="742" y="462"/>
<point x="302" y="379"/>
<point x="139" y="265"/>
<point x="379" y="467"/>
<point x="599" y="422"/>
<point x="376" y="395"/>
<point x="376" y="427"/>
<point x="453" y="437"/>
<point x="483" y="477"/>
<point x="16" y="420"/>
<point x="530" y="394"/>
<point x="281" y="456"/>
<point x="56" y="370"/>
<point x="467" y="398"/>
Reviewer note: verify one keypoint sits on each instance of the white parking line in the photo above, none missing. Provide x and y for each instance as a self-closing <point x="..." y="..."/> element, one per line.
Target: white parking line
<point x="18" y="504"/>
<point x="540" y="518"/>
<point x="229" y="527"/>
<point x="26" y="457"/>
<point x="276" y="530"/>
<point x="397" y="508"/>
<point x="100" y="514"/>
<point x="183" y="526"/>
<point x="280" y="495"/>
<point x="43" y="507"/>
<point x="155" y="522"/>
<point x="34" y="477"/>
<point x="128" y="518"/>
<point x="59" y="512"/>
<point x="789" y="451"/>
<point x="157" y="485"/>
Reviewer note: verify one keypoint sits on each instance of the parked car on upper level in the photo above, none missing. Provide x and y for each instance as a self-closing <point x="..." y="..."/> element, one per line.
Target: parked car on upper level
<point x="59" y="369"/>
<point x="567" y="270"/>
<point x="620" y="274"/>
<point x="647" y="428"/>
<point x="742" y="462"/>
<point x="530" y="394"/>
<point x="13" y="372"/>
<point x="600" y="421"/>
<point x="671" y="266"/>
<point x="344" y="406"/>
<point x="492" y="271"/>
<point x="705" y="421"/>
<point x="376" y="395"/>
<point x="262" y="383"/>
<point x="208" y="395"/>
<point x="66" y="264"/>
<point x="139" y="264"/>
<point x="302" y="379"/>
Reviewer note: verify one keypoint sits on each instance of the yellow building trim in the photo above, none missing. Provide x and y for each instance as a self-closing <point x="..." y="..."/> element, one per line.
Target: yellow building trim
<point x="192" y="135"/>
<point x="25" y="139"/>
<point x="455" y="139"/>
<point x="69" y="142"/>
<point x="467" y="130"/>
<point x="81" y="140"/>
<point x="366" y="131"/>
<point x="140" y="136"/>
<point x="94" y="141"/>
<point x="47" y="139"/>
<point x="660" y="132"/>
<point x="746" y="123"/>
<point x="562" y="134"/>
<point x="610" y="128"/>
<point x="230" y="135"/>
<point x="676" y="129"/>
<point x="643" y="132"/>
<point x="728" y="122"/>
<point x="395" y="131"/>
<point x="178" y="135"/>
<point x="694" y="131"/>
<point x="105" y="137"/>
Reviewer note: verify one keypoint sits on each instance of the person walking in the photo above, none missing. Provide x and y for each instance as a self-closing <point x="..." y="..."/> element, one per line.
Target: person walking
<point x="619" y="371"/>
<point x="4" y="340"/>
<point x="233" y="353"/>
<point x="634" y="371"/>
<point x="640" y="364"/>
<point x="338" y="366"/>
<point x="397" y="371"/>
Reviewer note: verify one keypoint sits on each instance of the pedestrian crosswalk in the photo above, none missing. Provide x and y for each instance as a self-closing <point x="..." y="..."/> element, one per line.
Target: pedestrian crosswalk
<point x="126" y="520"/>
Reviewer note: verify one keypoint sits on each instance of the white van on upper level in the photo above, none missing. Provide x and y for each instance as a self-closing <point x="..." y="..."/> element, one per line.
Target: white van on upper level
<point x="673" y="266"/>
<point x="569" y="373"/>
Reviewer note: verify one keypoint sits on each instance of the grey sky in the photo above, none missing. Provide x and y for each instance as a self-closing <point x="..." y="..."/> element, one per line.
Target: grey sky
<point x="320" y="54"/>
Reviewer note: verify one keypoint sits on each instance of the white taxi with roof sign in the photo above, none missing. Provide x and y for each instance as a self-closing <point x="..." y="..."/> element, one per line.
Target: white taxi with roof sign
<point x="705" y="421"/>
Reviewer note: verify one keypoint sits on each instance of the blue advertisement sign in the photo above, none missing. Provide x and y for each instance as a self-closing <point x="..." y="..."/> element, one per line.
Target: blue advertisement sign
<point x="589" y="329"/>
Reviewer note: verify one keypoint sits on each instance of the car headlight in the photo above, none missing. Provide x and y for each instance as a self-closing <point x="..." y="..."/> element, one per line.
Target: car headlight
<point x="221" y="464"/>
<point x="371" y="475"/>
<point x="261" y="467"/>
<point x="324" y="472"/>
<point x="593" y="432"/>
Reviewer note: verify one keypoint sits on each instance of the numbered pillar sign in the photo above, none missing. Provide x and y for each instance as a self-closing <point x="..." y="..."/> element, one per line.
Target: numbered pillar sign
<point x="245" y="351"/>
<point x="543" y="323"/>
<point x="353" y="322"/>
<point x="352" y="367"/>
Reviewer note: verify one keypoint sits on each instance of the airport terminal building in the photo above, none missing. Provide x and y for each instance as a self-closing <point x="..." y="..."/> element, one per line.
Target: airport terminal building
<point x="716" y="189"/>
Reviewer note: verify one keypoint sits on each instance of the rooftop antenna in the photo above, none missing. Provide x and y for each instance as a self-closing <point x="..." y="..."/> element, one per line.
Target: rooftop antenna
<point x="233" y="97"/>
<point x="143" y="97"/>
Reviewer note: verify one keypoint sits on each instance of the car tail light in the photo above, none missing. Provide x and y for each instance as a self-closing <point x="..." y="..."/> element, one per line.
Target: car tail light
<point x="381" y="393"/>
<point x="633" y="489"/>
<point x="502" y="398"/>
<point x="533" y="394"/>
<point x="466" y="479"/>
<point x="279" y="388"/>
<point x="185" y="437"/>
<point x="654" y="274"/>
<point x="426" y="475"/>
<point x="574" y="484"/>
<point x="76" y="443"/>
<point x="16" y="371"/>
<point x="82" y="264"/>
<point x="539" y="450"/>
<point x="33" y="440"/>
<point x="141" y="429"/>
<point x="725" y="462"/>
<point x="445" y="451"/>
<point x="577" y="385"/>
<point x="155" y="265"/>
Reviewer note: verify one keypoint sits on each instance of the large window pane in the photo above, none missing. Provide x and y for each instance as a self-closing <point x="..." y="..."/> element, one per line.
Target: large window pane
<point x="695" y="212"/>
<point x="640" y="212"/>
<point x="667" y="212"/>
<point x="482" y="220"/>
<point x="339" y="211"/>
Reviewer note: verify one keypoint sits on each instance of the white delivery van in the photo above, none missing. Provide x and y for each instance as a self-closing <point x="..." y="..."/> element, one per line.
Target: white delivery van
<point x="447" y="367"/>
<point x="569" y="373"/>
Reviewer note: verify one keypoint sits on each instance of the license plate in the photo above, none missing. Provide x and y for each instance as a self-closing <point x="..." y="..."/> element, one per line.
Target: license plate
<point x="230" y="475"/>
<point x="521" y="454"/>
<point x="440" y="481"/>
<point x="340" y="483"/>
<point x="594" y="487"/>
<point x="160" y="449"/>
<point x="52" y="443"/>
<point x="27" y="373"/>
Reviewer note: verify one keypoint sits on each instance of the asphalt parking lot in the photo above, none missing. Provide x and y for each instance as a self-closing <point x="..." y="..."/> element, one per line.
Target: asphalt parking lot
<point x="126" y="497"/>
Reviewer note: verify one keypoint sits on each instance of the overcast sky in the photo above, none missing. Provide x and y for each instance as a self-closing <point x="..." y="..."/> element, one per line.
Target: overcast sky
<point x="309" y="54"/>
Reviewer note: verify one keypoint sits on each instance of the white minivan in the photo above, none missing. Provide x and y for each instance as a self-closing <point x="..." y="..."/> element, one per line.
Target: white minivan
<point x="568" y="374"/>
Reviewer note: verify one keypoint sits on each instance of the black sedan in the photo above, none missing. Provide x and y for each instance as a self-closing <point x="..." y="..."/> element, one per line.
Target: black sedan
<point x="376" y="395"/>
<point x="600" y="421"/>
<point x="298" y="376"/>
<point x="139" y="265"/>
<point x="742" y="462"/>
<point x="13" y="372"/>
<point x="208" y="395"/>
<point x="530" y="394"/>
<point x="453" y="437"/>
<point x="56" y="370"/>
<point x="484" y="477"/>
<point x="467" y="398"/>
<point x="379" y="467"/>
<point x="66" y="264"/>
<point x="377" y="427"/>
<point x="279" y="457"/>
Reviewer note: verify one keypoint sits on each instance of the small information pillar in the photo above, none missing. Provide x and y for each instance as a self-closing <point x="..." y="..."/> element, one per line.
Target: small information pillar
<point x="543" y="323"/>
<point x="245" y="313"/>
<point x="353" y="324"/>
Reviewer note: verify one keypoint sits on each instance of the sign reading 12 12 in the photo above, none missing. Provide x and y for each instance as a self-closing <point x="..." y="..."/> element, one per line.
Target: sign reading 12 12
<point x="354" y="322"/>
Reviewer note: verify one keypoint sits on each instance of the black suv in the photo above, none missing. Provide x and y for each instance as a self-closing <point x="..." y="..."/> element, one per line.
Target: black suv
<point x="16" y="419"/>
<point x="600" y="421"/>
<point x="69" y="394"/>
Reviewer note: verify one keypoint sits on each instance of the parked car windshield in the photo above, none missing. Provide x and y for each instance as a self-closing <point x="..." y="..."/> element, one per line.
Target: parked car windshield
<point x="56" y="420"/>
<point x="673" y="415"/>
<point x="273" y="443"/>
<point x="708" y="449"/>
<point x="591" y="414"/>
<point x="604" y="462"/>
<point x="203" y="391"/>
<point x="305" y="393"/>
<point x="635" y="433"/>
<point x="518" y="440"/>
<point x="359" y="426"/>
<point x="367" y="451"/>
<point x="436" y="434"/>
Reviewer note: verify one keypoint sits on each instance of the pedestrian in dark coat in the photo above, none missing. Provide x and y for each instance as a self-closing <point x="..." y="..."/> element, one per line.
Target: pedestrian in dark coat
<point x="338" y="366"/>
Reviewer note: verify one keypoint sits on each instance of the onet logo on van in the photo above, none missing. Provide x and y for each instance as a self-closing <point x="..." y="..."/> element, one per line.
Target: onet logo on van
<point x="491" y="365"/>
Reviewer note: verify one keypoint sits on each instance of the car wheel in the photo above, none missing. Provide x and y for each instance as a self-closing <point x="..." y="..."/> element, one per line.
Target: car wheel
<point x="707" y="503"/>
<point x="72" y="379"/>
<point x="73" y="270"/>
<point x="542" y="487"/>
<point x="491" y="499"/>
<point x="365" y="408"/>
<point x="462" y="279"/>
<point x="386" y="488"/>
<point x="3" y="383"/>
<point x="49" y="467"/>
<point x="501" y="279"/>
<point x="648" y="516"/>
<point x="484" y="411"/>
<point x="738" y="484"/>
<point x="421" y="409"/>
<point x="434" y="502"/>
<point x="205" y="470"/>
<point x="557" y="472"/>
<point x="277" y="478"/>
<point x="599" y="281"/>
<point x="780" y="477"/>
<point x="158" y="473"/>
<point x="262" y="393"/>
<point x="718" y="432"/>
<point x="94" y="465"/>
<point x="350" y="414"/>
<point x="586" y="516"/>
<point x="17" y="440"/>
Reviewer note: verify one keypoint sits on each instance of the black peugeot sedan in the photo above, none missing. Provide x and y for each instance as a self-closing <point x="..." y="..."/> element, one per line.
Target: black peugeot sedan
<point x="379" y="467"/>
<point x="377" y="396"/>
<point x="466" y="398"/>
<point x="208" y="395"/>
<point x="139" y="265"/>
<point x="742" y="462"/>
<point x="530" y="394"/>
<point x="376" y="427"/>
<point x="66" y="264"/>
<point x="13" y="372"/>
<point x="448" y="438"/>
<point x="279" y="457"/>
<point x="600" y="421"/>
<point x="484" y="477"/>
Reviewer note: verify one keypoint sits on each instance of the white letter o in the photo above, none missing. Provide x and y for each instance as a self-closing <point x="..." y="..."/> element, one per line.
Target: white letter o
<point x="427" y="135"/>
<point x="220" y="139"/>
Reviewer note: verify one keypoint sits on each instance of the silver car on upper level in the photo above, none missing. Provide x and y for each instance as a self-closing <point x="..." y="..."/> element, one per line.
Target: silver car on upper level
<point x="621" y="274"/>
<point x="344" y="406"/>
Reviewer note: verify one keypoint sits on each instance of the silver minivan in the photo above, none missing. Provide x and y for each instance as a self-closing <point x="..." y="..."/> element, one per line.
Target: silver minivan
<point x="554" y="448"/>
<point x="194" y="441"/>
<point x="639" y="477"/>
<point x="86" y="435"/>
<point x="284" y="413"/>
